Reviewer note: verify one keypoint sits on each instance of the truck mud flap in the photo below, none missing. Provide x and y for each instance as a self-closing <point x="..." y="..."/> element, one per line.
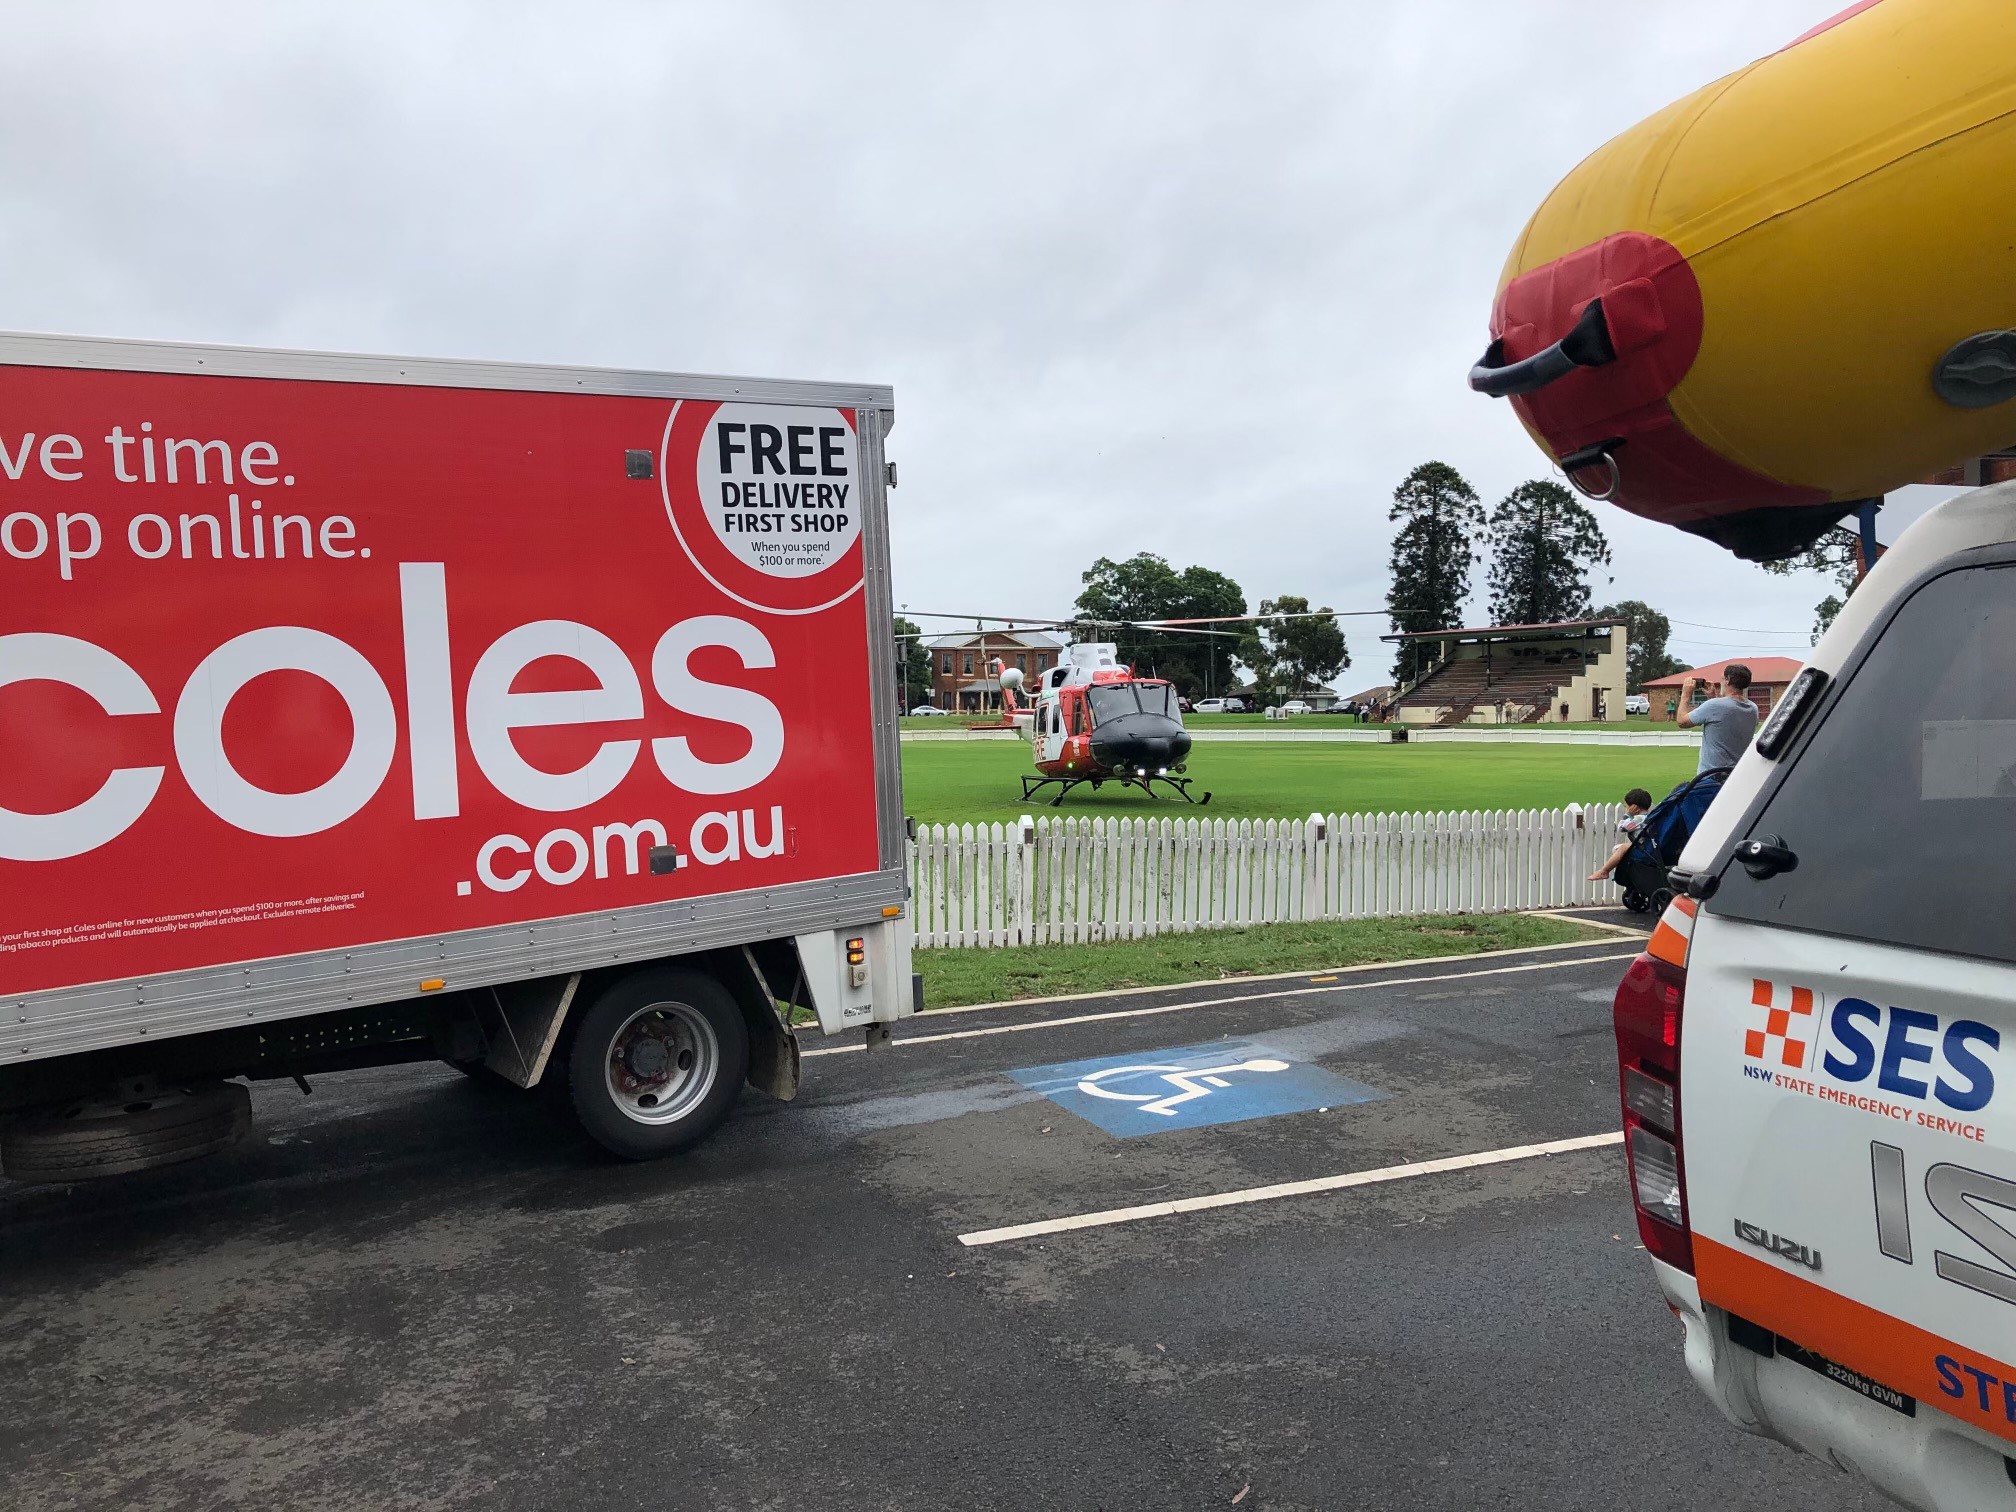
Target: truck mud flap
<point x="521" y="1021"/>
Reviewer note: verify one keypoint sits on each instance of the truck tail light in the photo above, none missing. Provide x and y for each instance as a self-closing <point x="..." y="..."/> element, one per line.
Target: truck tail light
<point x="1647" y="1016"/>
<point x="857" y="951"/>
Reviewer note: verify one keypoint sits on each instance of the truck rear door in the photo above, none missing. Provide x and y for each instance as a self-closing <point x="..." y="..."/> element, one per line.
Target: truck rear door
<point x="1850" y="1039"/>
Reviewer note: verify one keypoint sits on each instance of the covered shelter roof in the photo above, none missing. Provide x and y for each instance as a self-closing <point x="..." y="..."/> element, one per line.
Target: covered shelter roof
<point x="1508" y="632"/>
<point x="1763" y="669"/>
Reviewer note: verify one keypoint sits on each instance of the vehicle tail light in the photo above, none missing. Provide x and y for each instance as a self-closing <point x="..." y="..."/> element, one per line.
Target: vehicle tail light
<point x="1647" y="1018"/>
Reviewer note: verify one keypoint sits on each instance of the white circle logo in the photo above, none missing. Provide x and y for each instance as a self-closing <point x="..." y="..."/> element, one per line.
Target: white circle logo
<point x="778" y="485"/>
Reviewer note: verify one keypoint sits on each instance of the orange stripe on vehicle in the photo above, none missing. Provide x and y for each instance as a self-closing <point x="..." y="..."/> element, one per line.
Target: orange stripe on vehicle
<point x="1670" y="936"/>
<point x="1887" y="1349"/>
<point x="1667" y="944"/>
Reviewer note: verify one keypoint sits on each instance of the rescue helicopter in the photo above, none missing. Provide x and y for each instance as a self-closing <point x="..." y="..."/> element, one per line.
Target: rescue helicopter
<point x="1094" y="721"/>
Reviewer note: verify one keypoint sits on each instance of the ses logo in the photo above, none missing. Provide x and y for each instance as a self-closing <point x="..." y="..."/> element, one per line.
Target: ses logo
<point x="1856" y="1044"/>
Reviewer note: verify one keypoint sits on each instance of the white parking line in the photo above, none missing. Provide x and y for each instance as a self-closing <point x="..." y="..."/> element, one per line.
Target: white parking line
<point x="1595" y="942"/>
<point x="1286" y="1189"/>
<point x="1250" y="997"/>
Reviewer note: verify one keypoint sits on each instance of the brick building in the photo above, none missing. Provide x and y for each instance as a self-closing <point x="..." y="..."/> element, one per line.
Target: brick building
<point x="960" y="680"/>
<point x="1996" y="467"/>
<point x="1769" y="676"/>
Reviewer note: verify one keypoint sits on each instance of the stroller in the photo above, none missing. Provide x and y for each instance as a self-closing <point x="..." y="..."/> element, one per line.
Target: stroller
<point x="1659" y="840"/>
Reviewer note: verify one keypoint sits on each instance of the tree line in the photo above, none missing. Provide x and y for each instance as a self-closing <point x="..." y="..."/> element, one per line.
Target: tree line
<point x="1541" y="543"/>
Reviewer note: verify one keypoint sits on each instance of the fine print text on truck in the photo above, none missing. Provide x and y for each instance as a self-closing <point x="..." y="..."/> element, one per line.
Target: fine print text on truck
<point x="777" y="485"/>
<point x="237" y="529"/>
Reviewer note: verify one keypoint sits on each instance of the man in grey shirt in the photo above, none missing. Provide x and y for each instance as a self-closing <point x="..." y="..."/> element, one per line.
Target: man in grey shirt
<point x="1726" y="723"/>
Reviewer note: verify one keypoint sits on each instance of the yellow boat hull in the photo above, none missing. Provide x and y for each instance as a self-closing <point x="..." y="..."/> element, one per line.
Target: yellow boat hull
<point x="1808" y="278"/>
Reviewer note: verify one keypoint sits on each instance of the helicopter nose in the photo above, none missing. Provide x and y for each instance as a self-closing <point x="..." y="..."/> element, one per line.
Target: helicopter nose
<point x="1144" y="743"/>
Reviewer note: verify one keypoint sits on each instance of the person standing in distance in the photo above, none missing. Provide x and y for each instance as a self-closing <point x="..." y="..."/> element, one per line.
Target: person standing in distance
<point x="1726" y="722"/>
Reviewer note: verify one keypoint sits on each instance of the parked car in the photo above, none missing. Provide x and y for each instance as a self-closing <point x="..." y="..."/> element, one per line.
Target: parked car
<point x="928" y="711"/>
<point x="1183" y="705"/>
<point x="1236" y="706"/>
<point x="1637" y="703"/>
<point x="1210" y="706"/>
<point x="1295" y="706"/>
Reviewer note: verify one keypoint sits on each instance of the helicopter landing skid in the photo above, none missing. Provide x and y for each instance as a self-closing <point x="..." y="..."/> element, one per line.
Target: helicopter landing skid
<point x="1031" y="786"/>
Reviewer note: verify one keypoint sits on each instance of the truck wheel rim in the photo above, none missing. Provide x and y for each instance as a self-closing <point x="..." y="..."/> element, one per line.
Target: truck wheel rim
<point x="662" y="1062"/>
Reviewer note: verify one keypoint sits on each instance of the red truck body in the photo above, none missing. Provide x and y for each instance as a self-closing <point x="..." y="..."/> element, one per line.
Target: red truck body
<point x="328" y="680"/>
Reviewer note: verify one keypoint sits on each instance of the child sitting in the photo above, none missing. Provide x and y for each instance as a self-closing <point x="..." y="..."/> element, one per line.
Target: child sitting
<point x="1636" y="802"/>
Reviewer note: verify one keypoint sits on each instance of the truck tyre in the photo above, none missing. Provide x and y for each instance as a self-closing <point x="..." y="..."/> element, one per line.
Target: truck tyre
<point x="110" y="1138"/>
<point x="657" y="1062"/>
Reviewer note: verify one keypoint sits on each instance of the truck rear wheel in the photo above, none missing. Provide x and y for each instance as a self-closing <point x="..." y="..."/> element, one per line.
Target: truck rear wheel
<point x="657" y="1062"/>
<point x="113" y="1137"/>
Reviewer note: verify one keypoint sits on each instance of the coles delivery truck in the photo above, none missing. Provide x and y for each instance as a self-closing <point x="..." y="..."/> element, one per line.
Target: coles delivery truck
<point x="358" y="710"/>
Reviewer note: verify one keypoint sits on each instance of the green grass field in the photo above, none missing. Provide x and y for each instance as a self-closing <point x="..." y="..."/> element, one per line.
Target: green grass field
<point x="958" y="783"/>
<point x="951" y="724"/>
<point x="955" y="978"/>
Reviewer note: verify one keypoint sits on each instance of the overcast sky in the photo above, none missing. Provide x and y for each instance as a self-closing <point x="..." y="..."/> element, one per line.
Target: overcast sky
<point x="1196" y="279"/>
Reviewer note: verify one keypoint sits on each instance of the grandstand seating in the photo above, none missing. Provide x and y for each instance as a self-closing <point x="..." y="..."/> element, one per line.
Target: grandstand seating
<point x="1516" y="682"/>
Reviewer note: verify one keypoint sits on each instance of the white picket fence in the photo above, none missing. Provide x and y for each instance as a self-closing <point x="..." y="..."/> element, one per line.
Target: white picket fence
<point x="1068" y="881"/>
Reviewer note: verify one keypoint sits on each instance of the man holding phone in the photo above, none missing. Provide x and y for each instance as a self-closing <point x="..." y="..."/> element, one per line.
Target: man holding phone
<point x="1726" y="722"/>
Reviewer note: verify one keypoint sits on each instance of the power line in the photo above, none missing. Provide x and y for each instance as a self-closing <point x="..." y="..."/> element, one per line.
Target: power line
<point x="1032" y="621"/>
<point x="1739" y="629"/>
<point x="1682" y="640"/>
<point x="1008" y="623"/>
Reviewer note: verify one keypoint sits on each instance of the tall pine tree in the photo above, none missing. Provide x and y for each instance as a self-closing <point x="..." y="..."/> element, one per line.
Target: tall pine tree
<point x="1544" y="541"/>
<point x="1433" y="552"/>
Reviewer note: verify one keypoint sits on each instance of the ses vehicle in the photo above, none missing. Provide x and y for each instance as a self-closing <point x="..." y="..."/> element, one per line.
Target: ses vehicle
<point x="1096" y="722"/>
<point x="1750" y="316"/>
<point x="1818" y="1049"/>
<point x="361" y="710"/>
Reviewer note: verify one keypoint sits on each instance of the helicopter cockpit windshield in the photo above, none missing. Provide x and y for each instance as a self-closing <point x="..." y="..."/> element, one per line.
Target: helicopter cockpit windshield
<point x="1115" y="700"/>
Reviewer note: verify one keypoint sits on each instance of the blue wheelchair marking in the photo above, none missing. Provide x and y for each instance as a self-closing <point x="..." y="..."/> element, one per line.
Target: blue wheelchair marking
<point x="1225" y="1081"/>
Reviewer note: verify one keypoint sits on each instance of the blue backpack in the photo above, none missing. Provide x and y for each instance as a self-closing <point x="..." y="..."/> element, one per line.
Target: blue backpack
<point x="1670" y="821"/>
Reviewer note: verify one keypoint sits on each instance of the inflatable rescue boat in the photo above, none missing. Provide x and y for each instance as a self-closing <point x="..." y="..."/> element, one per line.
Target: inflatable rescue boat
<point x="1787" y="293"/>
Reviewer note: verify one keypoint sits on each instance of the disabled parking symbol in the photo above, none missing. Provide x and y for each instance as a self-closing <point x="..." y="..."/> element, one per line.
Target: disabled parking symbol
<point x="1188" y="1084"/>
<point x="1191" y="1086"/>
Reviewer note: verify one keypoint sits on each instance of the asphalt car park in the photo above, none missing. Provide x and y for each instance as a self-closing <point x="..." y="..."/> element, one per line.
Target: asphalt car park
<point x="948" y="1276"/>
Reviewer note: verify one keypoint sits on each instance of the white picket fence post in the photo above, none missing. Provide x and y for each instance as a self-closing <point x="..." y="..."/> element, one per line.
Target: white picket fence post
<point x="1068" y="880"/>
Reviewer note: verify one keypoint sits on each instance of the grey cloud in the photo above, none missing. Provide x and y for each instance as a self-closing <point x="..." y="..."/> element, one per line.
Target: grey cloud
<point x="1178" y="277"/>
